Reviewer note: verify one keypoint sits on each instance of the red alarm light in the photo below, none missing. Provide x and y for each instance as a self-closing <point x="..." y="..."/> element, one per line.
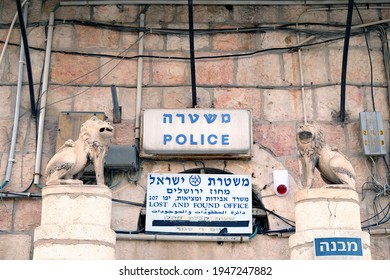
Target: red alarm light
<point x="281" y="184"/>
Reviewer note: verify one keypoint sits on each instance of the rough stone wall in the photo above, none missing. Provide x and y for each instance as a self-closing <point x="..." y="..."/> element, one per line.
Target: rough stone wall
<point x="83" y="69"/>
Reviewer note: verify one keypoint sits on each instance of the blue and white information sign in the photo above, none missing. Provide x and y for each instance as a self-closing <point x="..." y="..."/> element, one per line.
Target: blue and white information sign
<point x="338" y="246"/>
<point x="199" y="203"/>
<point x="223" y="132"/>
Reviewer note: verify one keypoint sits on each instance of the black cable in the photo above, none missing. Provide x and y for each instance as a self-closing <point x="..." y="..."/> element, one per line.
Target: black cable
<point x="369" y="58"/>
<point x="128" y="202"/>
<point x="345" y="60"/>
<point x="27" y="56"/>
<point x="192" y="53"/>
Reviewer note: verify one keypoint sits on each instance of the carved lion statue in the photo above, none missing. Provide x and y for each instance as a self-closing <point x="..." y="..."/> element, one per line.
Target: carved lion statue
<point x="69" y="162"/>
<point x="333" y="166"/>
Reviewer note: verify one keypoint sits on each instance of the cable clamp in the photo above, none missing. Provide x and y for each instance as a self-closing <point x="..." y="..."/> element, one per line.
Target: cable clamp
<point x="11" y="160"/>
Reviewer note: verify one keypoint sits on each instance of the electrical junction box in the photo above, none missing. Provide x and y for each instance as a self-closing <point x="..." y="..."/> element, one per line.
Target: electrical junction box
<point x="372" y="132"/>
<point x="121" y="157"/>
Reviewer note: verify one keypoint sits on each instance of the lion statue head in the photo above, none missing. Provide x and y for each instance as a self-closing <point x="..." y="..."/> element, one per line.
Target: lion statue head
<point x="96" y="130"/>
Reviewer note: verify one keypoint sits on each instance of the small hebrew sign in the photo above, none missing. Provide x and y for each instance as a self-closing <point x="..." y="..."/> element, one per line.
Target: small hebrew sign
<point x="338" y="246"/>
<point x="199" y="203"/>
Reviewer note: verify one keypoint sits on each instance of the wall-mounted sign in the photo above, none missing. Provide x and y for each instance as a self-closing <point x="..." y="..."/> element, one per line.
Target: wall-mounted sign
<point x="199" y="204"/>
<point x="196" y="132"/>
<point x="338" y="247"/>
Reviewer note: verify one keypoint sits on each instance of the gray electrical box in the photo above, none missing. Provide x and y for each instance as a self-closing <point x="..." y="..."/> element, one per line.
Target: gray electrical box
<point x="372" y="132"/>
<point x="121" y="157"/>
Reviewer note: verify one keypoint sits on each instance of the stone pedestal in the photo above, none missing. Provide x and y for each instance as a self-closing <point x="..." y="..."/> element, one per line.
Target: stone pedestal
<point x="75" y="224"/>
<point x="331" y="213"/>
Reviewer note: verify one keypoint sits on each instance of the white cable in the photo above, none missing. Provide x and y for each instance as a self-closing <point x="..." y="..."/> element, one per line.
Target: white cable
<point x="9" y="34"/>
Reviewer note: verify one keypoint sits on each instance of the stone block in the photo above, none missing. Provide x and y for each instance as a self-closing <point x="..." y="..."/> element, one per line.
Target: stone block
<point x="7" y="11"/>
<point x="170" y="72"/>
<point x="27" y="214"/>
<point x="276" y="137"/>
<point x="314" y="67"/>
<point x="94" y="38"/>
<point x="204" y="13"/>
<point x="115" y="13"/>
<point x="124" y="132"/>
<point x="334" y="136"/>
<point x="160" y="13"/>
<point x="74" y="69"/>
<point x="15" y="246"/>
<point x="152" y="98"/>
<point x="154" y="42"/>
<point x="294" y="14"/>
<point x="327" y="102"/>
<point x="340" y="16"/>
<point x="6" y="213"/>
<point x="330" y="207"/>
<point x="118" y="71"/>
<point x="214" y="72"/>
<point x="354" y="138"/>
<point x="358" y="69"/>
<point x="256" y="14"/>
<point x="275" y="39"/>
<point x="239" y="99"/>
<point x="177" y="98"/>
<point x="282" y="105"/>
<point x="75" y="223"/>
<point x="80" y="203"/>
<point x="259" y="70"/>
<point x="130" y="40"/>
<point x="75" y="251"/>
<point x="8" y="105"/>
<point x="36" y="37"/>
<point x="60" y="99"/>
<point x="181" y="42"/>
<point x="63" y="37"/>
<point x="234" y="42"/>
<point x="69" y="12"/>
<point x="94" y="99"/>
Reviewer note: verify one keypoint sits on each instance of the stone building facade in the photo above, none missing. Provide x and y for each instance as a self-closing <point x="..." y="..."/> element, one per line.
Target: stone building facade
<point x="246" y="57"/>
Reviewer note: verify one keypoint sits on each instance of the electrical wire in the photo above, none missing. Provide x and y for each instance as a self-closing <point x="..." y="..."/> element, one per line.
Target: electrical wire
<point x="369" y="57"/>
<point x="103" y="76"/>
<point x="27" y="57"/>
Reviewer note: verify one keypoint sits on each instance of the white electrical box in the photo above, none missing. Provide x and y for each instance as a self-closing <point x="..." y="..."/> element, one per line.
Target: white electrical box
<point x="373" y="134"/>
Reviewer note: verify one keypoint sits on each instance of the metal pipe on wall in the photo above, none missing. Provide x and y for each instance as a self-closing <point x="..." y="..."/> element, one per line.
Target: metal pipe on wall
<point x="42" y="110"/>
<point x="15" y="128"/>
<point x="218" y="2"/>
<point x="139" y="80"/>
<point x="153" y="237"/>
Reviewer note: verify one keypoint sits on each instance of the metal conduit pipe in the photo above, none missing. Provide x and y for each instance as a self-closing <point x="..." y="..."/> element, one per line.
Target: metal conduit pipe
<point x="139" y="80"/>
<point x="42" y="110"/>
<point x="216" y="2"/>
<point x="153" y="237"/>
<point x="9" y="34"/>
<point x="15" y="128"/>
